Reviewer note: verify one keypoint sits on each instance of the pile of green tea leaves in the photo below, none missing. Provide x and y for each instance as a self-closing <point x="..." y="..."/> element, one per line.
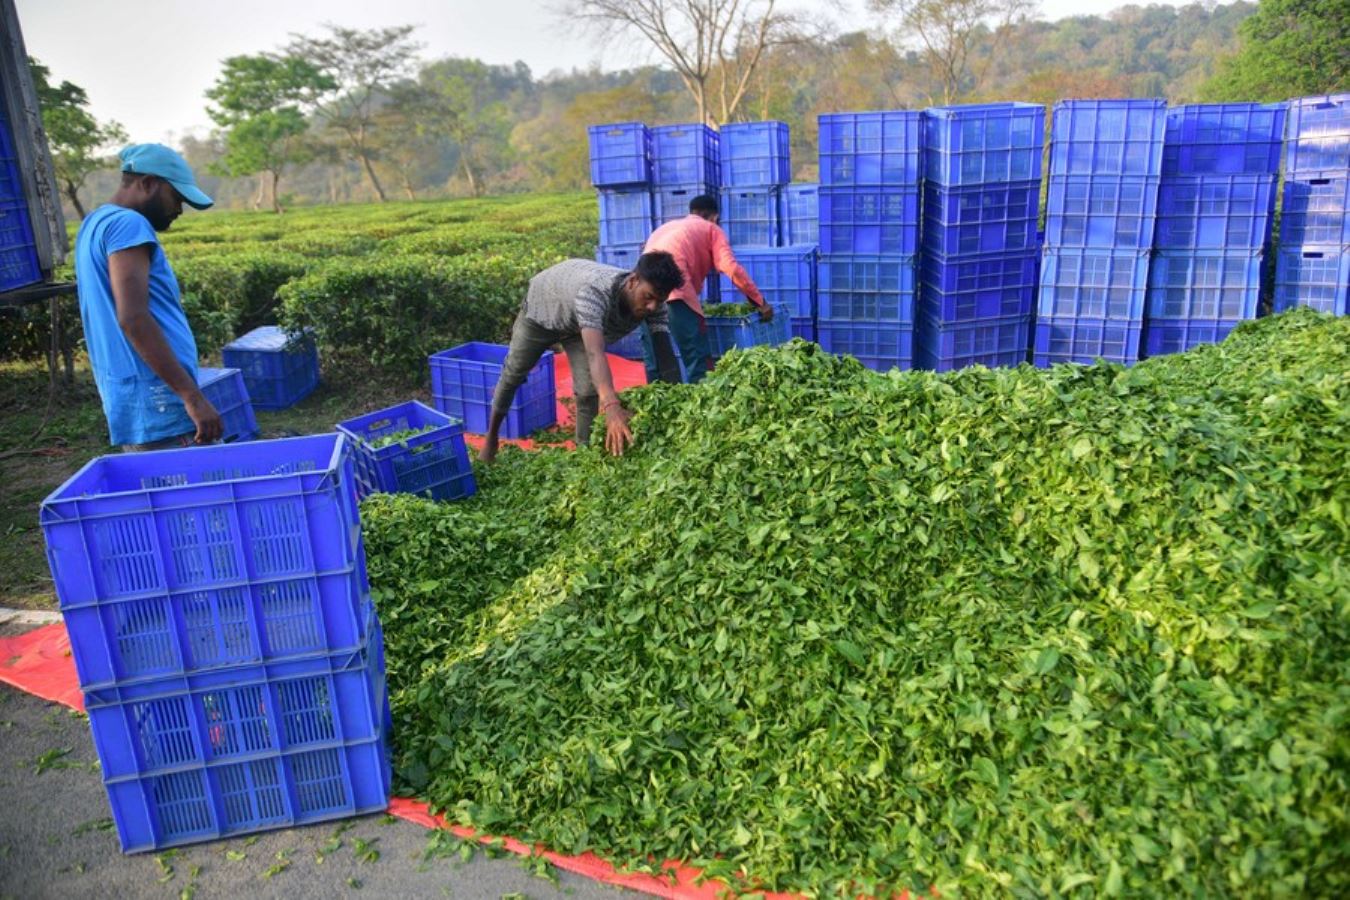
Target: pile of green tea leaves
<point x="402" y="436"/>
<point x="1077" y="631"/>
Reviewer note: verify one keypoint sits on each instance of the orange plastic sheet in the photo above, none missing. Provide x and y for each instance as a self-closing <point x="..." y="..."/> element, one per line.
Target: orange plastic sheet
<point x="39" y="662"/>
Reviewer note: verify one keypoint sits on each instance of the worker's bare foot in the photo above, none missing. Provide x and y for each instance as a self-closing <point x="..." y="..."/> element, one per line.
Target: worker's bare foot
<point x="489" y="451"/>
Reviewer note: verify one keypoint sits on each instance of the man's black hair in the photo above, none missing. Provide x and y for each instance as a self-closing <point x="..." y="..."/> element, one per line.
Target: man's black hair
<point x="704" y="205"/>
<point x="660" y="271"/>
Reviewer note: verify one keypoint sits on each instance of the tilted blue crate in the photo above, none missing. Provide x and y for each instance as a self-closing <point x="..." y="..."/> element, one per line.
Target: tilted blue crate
<point x="620" y="154"/>
<point x="878" y="345"/>
<point x="1082" y="339"/>
<point x="179" y="561"/>
<point x="881" y="220"/>
<point x="995" y="285"/>
<point x="799" y="214"/>
<point x="1163" y="336"/>
<point x="1319" y="137"/>
<point x="1107" y="137"/>
<point x="464" y="378"/>
<point x="245" y="749"/>
<point x="983" y="143"/>
<point x="1317" y="277"/>
<point x="1224" y="139"/>
<point x="1215" y="212"/>
<point x="1316" y="212"/>
<point x="1205" y="284"/>
<point x="867" y="288"/>
<point x="726" y="333"/>
<point x="227" y="392"/>
<point x="1101" y="211"/>
<point x="871" y="149"/>
<point x="1095" y="284"/>
<point x="19" y="265"/>
<point x="755" y="154"/>
<point x="685" y="154"/>
<point x="750" y="216"/>
<point x="982" y="218"/>
<point x="433" y="464"/>
<point x="946" y="346"/>
<point x="786" y="276"/>
<point x="280" y="368"/>
<point x="625" y="215"/>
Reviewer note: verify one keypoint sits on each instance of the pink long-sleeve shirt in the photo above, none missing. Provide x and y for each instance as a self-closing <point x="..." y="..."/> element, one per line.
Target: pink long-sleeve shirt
<point x="699" y="248"/>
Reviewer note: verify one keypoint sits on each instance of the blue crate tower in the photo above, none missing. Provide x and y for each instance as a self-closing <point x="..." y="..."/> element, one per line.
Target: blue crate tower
<point x="1106" y="164"/>
<point x="433" y="464"/>
<point x="979" y="243"/>
<point x="228" y="393"/>
<point x="1312" y="265"/>
<point x="786" y="276"/>
<point x="1216" y="207"/>
<point x="755" y="168"/>
<point x="224" y="637"/>
<point x="686" y="162"/>
<point x="868" y="205"/>
<point x="280" y="367"/>
<point x="621" y="170"/>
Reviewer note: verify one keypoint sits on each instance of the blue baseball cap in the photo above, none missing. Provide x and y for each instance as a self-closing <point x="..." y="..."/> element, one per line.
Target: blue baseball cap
<point x="157" y="159"/>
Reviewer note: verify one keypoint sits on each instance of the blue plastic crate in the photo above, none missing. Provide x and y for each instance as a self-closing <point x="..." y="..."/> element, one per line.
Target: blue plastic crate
<point x="1096" y="284"/>
<point x="433" y="464"/>
<point x="19" y="264"/>
<point x="624" y="256"/>
<point x="871" y="149"/>
<point x="1107" y="137"/>
<point x="1072" y="339"/>
<point x="1163" y="336"/>
<point x="1101" y="211"/>
<point x="180" y="561"/>
<point x="799" y="214"/>
<point x="750" y="216"/>
<point x="1316" y="211"/>
<point x="983" y="143"/>
<point x="1318" y="277"/>
<point x="1205" y="284"/>
<point x="245" y="749"/>
<point x="869" y="220"/>
<point x="625" y="216"/>
<point x="786" y="276"/>
<point x="1215" y="212"/>
<point x="867" y="288"/>
<point x="227" y="392"/>
<point x="671" y="201"/>
<point x="685" y="154"/>
<point x="727" y="333"/>
<point x="464" y="377"/>
<point x="982" y="218"/>
<point x="1319" y="137"/>
<point x="1224" y="139"/>
<point x="280" y="368"/>
<point x="945" y="346"/>
<point x="629" y="346"/>
<point x="620" y="154"/>
<point x="755" y="154"/>
<point x="879" y="345"/>
<point x="959" y="289"/>
<point x="804" y="327"/>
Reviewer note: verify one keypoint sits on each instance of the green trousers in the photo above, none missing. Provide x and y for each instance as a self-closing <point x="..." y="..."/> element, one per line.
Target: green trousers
<point x="690" y="336"/>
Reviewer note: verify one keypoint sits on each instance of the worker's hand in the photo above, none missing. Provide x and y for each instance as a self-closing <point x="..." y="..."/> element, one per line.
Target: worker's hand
<point x="617" y="434"/>
<point x="205" y="417"/>
<point x="766" y="313"/>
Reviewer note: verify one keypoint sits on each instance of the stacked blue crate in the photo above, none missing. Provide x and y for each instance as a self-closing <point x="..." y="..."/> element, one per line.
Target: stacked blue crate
<point x="223" y="634"/>
<point x="1312" y="265"/>
<point x="755" y="166"/>
<point x="1106" y="161"/>
<point x="1216" y="205"/>
<point x="871" y="164"/>
<point x="686" y="162"/>
<point x="19" y="265"/>
<point x="621" y="171"/>
<point x="786" y="276"/>
<point x="981" y="199"/>
<point x="799" y="214"/>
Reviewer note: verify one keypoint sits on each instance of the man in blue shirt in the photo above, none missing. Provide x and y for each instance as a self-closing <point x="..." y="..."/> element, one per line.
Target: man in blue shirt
<point x="141" y="349"/>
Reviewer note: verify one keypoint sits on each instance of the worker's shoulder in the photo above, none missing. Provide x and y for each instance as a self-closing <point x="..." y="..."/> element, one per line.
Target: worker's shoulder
<point x="574" y="272"/>
<point x="111" y="218"/>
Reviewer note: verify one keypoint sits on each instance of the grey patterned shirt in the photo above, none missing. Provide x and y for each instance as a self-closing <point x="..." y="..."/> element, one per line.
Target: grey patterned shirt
<point x="579" y="293"/>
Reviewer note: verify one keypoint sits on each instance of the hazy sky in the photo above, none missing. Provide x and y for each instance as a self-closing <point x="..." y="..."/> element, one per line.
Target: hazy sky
<point x="148" y="64"/>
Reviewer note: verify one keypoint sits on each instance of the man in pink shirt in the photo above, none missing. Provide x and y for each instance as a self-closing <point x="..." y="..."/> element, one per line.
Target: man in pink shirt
<point x="700" y="248"/>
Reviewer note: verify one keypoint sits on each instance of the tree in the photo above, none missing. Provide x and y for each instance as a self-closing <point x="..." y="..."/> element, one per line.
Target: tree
<point x="362" y="65"/>
<point x="465" y="102"/>
<point x="959" y="38"/>
<point x="75" y="137"/>
<point x="261" y="101"/>
<point x="714" y="45"/>
<point x="1289" y="48"/>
